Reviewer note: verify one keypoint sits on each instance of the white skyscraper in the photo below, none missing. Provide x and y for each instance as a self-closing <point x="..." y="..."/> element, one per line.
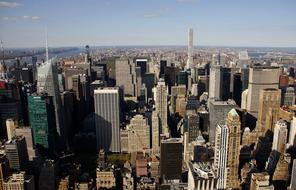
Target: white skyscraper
<point x="280" y="137"/>
<point x="155" y="132"/>
<point x="161" y="104"/>
<point x="190" y="49"/>
<point x="107" y="110"/>
<point x="292" y="131"/>
<point x="215" y="80"/>
<point x="220" y="157"/>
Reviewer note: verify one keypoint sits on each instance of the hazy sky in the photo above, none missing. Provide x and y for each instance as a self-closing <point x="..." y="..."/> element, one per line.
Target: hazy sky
<point x="148" y="22"/>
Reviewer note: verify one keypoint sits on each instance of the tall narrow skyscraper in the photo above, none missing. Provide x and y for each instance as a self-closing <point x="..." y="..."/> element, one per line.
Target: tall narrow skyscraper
<point x="280" y="137"/>
<point x="190" y="49"/>
<point x="107" y="110"/>
<point x="161" y="103"/>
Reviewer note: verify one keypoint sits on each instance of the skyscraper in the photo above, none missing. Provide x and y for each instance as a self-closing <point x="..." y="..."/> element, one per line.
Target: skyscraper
<point x="155" y="132"/>
<point x="47" y="78"/>
<point x="220" y="154"/>
<point x="171" y="159"/>
<point x="107" y="110"/>
<point x="139" y="134"/>
<point x="292" y="132"/>
<point x="189" y="63"/>
<point x="289" y="97"/>
<point x="17" y="154"/>
<point x="257" y="82"/>
<point x="233" y="149"/>
<point x="215" y="82"/>
<point x="293" y="176"/>
<point x="268" y="109"/>
<point x="280" y="137"/>
<point x="42" y="119"/>
<point x="161" y="104"/>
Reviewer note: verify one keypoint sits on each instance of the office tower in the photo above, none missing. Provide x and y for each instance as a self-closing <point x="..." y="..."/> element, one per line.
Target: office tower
<point x="292" y="72"/>
<point x="201" y="175"/>
<point x="243" y="59"/>
<point x="283" y="81"/>
<point x="220" y="155"/>
<point x="225" y="84"/>
<point x="280" y="137"/>
<point x="69" y="72"/>
<point x="4" y="169"/>
<point x="237" y="88"/>
<point x="139" y="134"/>
<point x="192" y="125"/>
<point x="292" y="132"/>
<point x="293" y="176"/>
<point x="189" y="63"/>
<point x="19" y="181"/>
<point x="171" y="159"/>
<point x="143" y="99"/>
<point x="27" y="133"/>
<point x="257" y="83"/>
<point x="182" y="78"/>
<point x="10" y="128"/>
<point x="245" y="78"/>
<point x="23" y="74"/>
<point x="48" y="175"/>
<point x="149" y="80"/>
<point x="42" y="120"/>
<point x="181" y="103"/>
<point x="289" y="97"/>
<point x="162" y="65"/>
<point x="107" y="110"/>
<point x="233" y="149"/>
<point x="244" y="99"/>
<point x="161" y="104"/>
<point x="155" y="132"/>
<point x="268" y="109"/>
<point x="142" y="63"/>
<point x="17" y="154"/>
<point x="215" y="82"/>
<point x="218" y="111"/>
<point x="48" y="83"/>
<point x="126" y="76"/>
<point x="260" y="181"/>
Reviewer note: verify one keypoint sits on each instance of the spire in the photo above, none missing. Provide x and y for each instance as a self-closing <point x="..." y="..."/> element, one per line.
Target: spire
<point x="46" y="45"/>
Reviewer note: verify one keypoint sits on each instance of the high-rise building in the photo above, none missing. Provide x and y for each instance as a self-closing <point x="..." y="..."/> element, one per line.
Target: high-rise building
<point x="192" y="125"/>
<point x="218" y="111"/>
<point x="189" y="63"/>
<point x="107" y="111"/>
<point x="237" y="88"/>
<point x="17" y="154"/>
<point x="155" y="133"/>
<point x="220" y="154"/>
<point x="10" y="128"/>
<point x="139" y="134"/>
<point x="292" y="132"/>
<point x="126" y="77"/>
<point x="42" y="119"/>
<point x="27" y="133"/>
<point x="48" y="175"/>
<point x="233" y="149"/>
<point x="47" y="77"/>
<point x="257" y="83"/>
<point x="280" y="137"/>
<point x="4" y="169"/>
<point x="268" y="109"/>
<point x="215" y="82"/>
<point x="289" y="97"/>
<point x="142" y="63"/>
<point x="171" y="159"/>
<point x="225" y="84"/>
<point x="161" y="104"/>
<point x="293" y="176"/>
<point x="19" y="181"/>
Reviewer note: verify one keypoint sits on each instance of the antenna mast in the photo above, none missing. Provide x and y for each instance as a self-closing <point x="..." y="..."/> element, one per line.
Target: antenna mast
<point x="46" y="45"/>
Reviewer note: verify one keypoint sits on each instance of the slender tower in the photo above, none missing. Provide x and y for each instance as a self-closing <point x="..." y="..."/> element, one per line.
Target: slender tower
<point x="190" y="49"/>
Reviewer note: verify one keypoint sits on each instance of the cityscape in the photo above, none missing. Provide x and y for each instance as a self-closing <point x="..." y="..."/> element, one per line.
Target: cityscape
<point x="147" y="100"/>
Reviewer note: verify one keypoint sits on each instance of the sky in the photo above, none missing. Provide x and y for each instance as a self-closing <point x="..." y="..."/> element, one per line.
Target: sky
<point x="266" y="23"/>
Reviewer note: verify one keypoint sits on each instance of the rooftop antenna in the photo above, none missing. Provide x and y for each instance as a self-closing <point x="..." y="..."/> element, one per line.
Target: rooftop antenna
<point x="46" y="45"/>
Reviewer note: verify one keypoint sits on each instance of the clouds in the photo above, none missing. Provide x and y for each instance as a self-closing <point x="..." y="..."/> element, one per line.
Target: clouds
<point x="5" y="4"/>
<point x="26" y="17"/>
